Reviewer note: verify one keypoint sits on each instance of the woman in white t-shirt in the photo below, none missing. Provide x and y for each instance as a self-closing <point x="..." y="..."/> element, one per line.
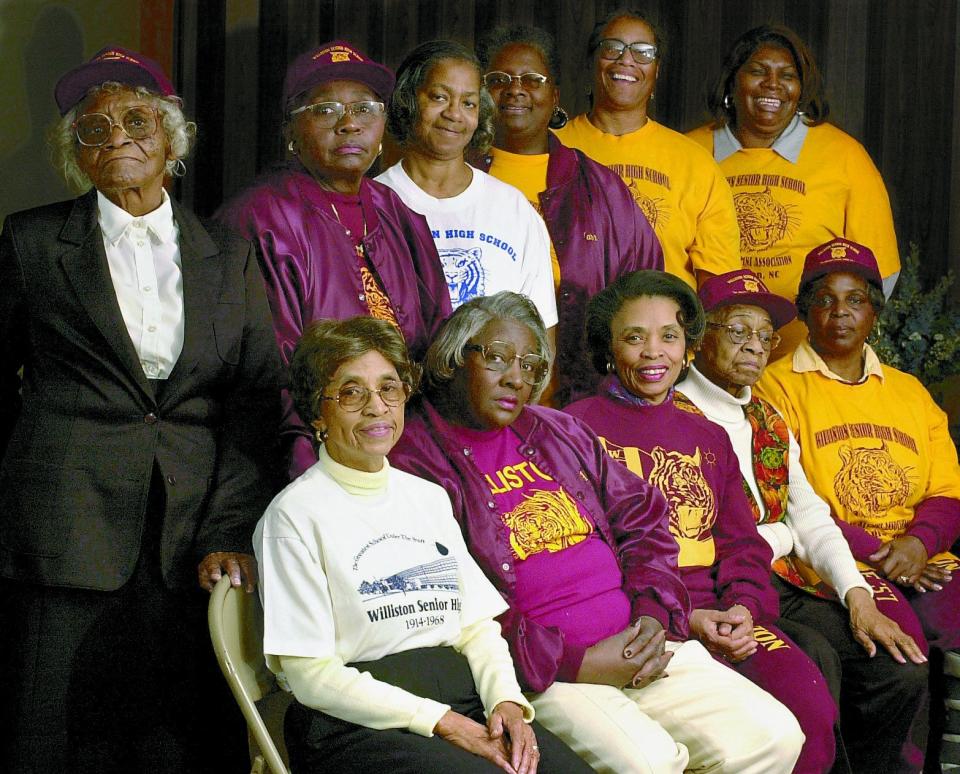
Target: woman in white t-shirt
<point x="375" y="615"/>
<point x="488" y="235"/>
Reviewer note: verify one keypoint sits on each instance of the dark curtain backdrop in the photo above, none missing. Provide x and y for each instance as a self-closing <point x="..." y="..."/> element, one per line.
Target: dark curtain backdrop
<point x="889" y="66"/>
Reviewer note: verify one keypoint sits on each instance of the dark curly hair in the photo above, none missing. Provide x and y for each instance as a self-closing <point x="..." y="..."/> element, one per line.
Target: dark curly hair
<point x="404" y="113"/>
<point x="520" y="34"/>
<point x="328" y="344"/>
<point x="603" y="307"/>
<point x="813" y="103"/>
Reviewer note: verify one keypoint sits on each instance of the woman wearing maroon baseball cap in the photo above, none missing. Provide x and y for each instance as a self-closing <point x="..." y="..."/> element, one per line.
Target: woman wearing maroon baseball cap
<point x="333" y="243"/>
<point x="139" y="405"/>
<point x="846" y="622"/>
<point x="874" y="444"/>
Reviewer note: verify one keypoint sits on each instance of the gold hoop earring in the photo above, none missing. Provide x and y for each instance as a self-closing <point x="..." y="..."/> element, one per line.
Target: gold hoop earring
<point x="292" y="147"/>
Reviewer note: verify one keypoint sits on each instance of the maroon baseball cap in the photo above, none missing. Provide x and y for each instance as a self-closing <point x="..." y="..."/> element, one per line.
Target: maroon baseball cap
<point x="112" y="63"/>
<point x="841" y="255"/>
<point x="744" y="287"/>
<point x="336" y="61"/>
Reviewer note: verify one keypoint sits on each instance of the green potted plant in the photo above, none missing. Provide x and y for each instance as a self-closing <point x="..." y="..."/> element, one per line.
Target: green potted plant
<point x="919" y="332"/>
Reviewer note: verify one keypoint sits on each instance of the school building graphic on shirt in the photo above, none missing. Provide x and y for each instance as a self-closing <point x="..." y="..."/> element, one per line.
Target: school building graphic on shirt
<point x="438" y="575"/>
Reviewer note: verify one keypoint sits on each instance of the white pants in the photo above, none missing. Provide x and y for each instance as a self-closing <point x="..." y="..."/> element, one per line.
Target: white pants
<point x="702" y="717"/>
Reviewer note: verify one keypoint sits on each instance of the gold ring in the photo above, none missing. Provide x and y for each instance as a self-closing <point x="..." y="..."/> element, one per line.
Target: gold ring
<point x="904" y="579"/>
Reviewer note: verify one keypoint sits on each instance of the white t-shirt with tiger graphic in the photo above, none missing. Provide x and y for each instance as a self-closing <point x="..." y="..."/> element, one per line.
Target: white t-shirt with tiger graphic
<point x="489" y="238"/>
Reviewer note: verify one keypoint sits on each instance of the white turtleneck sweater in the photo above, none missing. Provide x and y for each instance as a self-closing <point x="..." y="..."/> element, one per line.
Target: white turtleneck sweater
<point x="332" y="548"/>
<point x="808" y="530"/>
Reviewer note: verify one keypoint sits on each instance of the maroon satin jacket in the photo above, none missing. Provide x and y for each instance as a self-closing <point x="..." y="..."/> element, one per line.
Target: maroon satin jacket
<point x="310" y="268"/>
<point x="599" y="233"/>
<point x="630" y="515"/>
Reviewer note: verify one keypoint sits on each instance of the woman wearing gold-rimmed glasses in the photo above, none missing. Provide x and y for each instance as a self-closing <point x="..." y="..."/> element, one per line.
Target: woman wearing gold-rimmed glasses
<point x="374" y="610"/>
<point x="597" y="232"/>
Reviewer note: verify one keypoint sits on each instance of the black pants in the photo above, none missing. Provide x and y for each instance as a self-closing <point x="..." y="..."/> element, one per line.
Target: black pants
<point x="879" y="698"/>
<point x="122" y="681"/>
<point x="320" y="743"/>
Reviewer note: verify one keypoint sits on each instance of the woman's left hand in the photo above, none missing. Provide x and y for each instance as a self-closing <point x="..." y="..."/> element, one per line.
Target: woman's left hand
<point x="902" y="559"/>
<point x="242" y="569"/>
<point x="507" y="717"/>
<point x="870" y="626"/>
<point x="933" y="578"/>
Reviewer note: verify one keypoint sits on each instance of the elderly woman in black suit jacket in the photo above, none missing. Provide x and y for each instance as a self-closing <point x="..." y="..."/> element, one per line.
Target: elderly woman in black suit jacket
<point x="138" y="382"/>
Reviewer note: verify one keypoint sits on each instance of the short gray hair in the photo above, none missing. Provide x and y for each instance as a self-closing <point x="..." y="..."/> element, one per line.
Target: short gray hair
<point x="446" y="353"/>
<point x="64" y="146"/>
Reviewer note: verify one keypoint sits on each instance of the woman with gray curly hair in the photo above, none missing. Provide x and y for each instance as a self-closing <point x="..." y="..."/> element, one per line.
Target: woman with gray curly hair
<point x="139" y="388"/>
<point x="488" y="235"/>
<point x="579" y="548"/>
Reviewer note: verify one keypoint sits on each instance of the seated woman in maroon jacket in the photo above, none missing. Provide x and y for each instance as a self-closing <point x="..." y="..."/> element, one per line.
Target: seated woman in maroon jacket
<point x="579" y="547"/>
<point x="596" y="229"/>
<point x="332" y="243"/>
<point x="639" y="330"/>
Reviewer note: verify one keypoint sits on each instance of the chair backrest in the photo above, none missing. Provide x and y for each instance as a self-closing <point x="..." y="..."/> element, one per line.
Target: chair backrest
<point x="236" y="631"/>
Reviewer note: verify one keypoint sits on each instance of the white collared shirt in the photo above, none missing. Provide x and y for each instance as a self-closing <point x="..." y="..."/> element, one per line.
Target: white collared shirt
<point x="144" y="258"/>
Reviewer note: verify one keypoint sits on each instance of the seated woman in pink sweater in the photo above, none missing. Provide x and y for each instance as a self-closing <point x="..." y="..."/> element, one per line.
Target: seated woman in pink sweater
<point x="639" y="330"/>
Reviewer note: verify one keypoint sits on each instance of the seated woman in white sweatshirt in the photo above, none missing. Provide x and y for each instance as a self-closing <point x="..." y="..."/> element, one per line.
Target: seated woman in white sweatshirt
<point x="831" y="609"/>
<point x="374" y="612"/>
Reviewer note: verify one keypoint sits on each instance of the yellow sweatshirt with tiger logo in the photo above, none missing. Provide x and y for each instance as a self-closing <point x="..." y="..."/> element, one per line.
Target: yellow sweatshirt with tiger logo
<point x="874" y="450"/>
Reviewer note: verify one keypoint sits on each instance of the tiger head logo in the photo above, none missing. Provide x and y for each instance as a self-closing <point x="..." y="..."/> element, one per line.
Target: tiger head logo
<point x="647" y="205"/>
<point x="464" y="272"/>
<point x="870" y="482"/>
<point x="762" y="219"/>
<point x="545" y="521"/>
<point x="693" y="506"/>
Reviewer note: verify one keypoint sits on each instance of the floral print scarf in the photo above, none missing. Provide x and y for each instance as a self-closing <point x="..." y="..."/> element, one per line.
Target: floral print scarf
<point x="771" y="469"/>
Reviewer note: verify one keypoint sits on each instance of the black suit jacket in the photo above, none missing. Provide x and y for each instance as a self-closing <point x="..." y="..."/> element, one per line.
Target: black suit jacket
<point x="81" y="438"/>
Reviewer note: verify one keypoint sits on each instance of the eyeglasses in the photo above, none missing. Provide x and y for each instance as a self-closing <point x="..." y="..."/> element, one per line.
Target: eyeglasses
<point x="612" y="49"/>
<point x="328" y="114"/>
<point x="95" y="129"/>
<point x="741" y="334"/>
<point x="501" y="80"/>
<point x="499" y="356"/>
<point x="354" y="397"/>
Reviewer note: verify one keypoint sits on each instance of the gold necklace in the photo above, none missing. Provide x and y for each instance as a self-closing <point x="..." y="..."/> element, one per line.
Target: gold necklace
<point x="358" y="248"/>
